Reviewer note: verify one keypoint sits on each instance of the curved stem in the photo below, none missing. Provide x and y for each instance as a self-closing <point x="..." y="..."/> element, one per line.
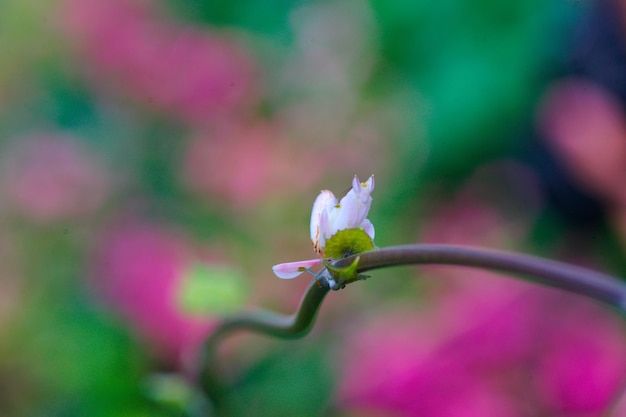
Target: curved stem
<point x="274" y="324"/>
<point x="595" y="285"/>
<point x="598" y="286"/>
<point x="261" y="321"/>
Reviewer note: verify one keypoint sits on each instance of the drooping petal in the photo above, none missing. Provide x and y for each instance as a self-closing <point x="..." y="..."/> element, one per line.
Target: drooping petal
<point x="324" y="233"/>
<point x="291" y="270"/>
<point x="324" y="202"/>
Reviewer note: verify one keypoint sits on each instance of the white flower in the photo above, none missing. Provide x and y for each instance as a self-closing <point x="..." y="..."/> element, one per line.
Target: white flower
<point x="330" y="216"/>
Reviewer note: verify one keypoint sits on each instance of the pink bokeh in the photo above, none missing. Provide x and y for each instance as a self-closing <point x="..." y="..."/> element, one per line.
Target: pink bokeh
<point x="241" y="165"/>
<point x="49" y="176"/>
<point x="586" y="126"/>
<point x="582" y="366"/>
<point x="543" y="354"/>
<point x="138" y="268"/>
<point x="483" y="344"/>
<point x="195" y="74"/>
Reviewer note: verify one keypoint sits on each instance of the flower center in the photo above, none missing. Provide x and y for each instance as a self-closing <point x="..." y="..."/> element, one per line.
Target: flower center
<point x="348" y="242"/>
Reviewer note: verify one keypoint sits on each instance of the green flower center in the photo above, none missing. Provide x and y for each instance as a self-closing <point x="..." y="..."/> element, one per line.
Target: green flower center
<point x="348" y="242"/>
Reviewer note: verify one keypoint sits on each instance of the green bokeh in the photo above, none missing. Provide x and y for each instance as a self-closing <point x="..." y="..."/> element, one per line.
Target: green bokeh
<point x="212" y="290"/>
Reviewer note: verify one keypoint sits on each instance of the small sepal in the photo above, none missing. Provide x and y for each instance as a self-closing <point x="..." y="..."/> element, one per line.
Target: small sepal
<point x="338" y="278"/>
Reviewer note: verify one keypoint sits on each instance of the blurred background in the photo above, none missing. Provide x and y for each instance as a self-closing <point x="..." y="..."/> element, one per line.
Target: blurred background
<point x="157" y="157"/>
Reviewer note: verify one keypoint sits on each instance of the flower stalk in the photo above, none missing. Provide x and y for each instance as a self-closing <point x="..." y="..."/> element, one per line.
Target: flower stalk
<point x="283" y="326"/>
<point x="595" y="285"/>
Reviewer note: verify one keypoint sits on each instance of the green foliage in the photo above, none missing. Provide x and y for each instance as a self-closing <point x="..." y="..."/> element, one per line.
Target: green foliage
<point x="477" y="64"/>
<point x="81" y="364"/>
<point x="292" y="382"/>
<point x="212" y="289"/>
<point x="170" y="392"/>
<point x="268" y="17"/>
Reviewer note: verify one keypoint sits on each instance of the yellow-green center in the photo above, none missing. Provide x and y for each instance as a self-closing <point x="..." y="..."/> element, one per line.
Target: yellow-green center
<point x="348" y="242"/>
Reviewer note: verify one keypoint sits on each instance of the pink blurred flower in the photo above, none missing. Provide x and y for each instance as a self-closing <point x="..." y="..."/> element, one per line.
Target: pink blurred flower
<point x="399" y="364"/>
<point x="484" y="344"/>
<point x="586" y="126"/>
<point x="583" y="363"/>
<point x="138" y="270"/>
<point x="240" y="165"/>
<point x="195" y="74"/>
<point x="232" y="163"/>
<point x="469" y="362"/>
<point x="49" y="177"/>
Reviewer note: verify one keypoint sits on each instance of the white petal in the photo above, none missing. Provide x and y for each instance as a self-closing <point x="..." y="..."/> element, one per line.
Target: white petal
<point x="328" y="217"/>
<point x="326" y="200"/>
<point x="368" y="227"/>
<point x="364" y="191"/>
<point x="349" y="214"/>
<point x="325" y="232"/>
<point x="291" y="270"/>
<point x="353" y="207"/>
<point x="356" y="184"/>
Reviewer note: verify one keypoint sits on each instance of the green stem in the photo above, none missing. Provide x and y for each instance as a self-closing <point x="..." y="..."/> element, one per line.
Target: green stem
<point x="595" y="285"/>
<point x="261" y="321"/>
<point x="598" y="286"/>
